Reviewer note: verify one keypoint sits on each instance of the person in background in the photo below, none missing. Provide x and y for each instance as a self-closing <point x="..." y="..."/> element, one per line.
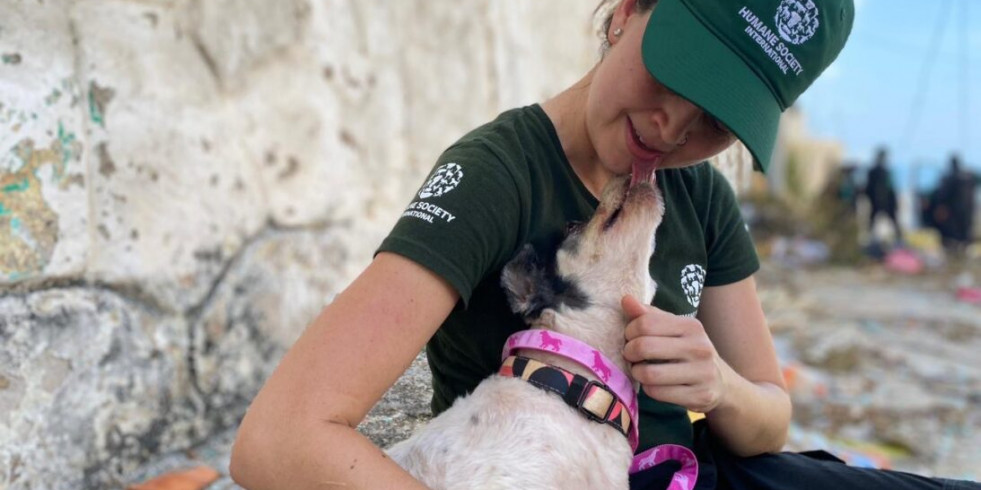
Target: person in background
<point x="953" y="206"/>
<point x="881" y="193"/>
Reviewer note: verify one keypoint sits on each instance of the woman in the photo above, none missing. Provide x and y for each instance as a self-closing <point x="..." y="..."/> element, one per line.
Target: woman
<point x="520" y="179"/>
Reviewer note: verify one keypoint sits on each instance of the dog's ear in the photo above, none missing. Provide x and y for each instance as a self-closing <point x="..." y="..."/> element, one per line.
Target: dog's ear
<point x="525" y="281"/>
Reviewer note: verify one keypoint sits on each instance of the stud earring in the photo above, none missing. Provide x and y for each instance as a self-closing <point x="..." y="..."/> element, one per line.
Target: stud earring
<point x="617" y="32"/>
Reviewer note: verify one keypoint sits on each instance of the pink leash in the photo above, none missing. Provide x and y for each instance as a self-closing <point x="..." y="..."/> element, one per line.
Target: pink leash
<point x="684" y="478"/>
<point x="619" y="383"/>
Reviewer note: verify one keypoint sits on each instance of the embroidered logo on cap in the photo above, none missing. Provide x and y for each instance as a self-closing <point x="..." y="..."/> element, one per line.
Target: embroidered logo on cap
<point x="444" y="180"/>
<point x="769" y="41"/>
<point x="797" y="20"/>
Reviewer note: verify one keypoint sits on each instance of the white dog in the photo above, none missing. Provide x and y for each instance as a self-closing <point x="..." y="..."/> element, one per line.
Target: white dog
<point x="510" y="433"/>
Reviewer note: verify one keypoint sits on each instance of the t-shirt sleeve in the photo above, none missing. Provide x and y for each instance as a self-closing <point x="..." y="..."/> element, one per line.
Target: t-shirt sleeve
<point x="464" y="220"/>
<point x="731" y="253"/>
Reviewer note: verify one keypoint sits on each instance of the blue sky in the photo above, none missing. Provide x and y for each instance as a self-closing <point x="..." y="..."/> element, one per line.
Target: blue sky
<point x="879" y="83"/>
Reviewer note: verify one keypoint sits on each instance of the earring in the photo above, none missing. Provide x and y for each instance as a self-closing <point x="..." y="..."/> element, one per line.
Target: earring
<point x="683" y="141"/>
<point x="617" y="32"/>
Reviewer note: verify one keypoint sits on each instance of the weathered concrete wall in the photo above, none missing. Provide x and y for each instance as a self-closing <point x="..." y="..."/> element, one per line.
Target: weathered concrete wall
<point x="183" y="185"/>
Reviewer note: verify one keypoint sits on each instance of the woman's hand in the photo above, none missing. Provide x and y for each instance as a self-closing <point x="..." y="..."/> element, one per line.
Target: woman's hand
<point x="673" y="358"/>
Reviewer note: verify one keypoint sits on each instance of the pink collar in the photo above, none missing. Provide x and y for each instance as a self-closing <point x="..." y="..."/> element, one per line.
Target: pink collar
<point x="588" y="357"/>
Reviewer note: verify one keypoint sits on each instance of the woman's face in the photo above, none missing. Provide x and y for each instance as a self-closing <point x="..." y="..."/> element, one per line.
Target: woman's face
<point x="630" y="117"/>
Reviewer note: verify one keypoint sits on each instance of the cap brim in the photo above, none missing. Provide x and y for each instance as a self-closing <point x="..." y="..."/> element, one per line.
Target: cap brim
<point x="684" y="56"/>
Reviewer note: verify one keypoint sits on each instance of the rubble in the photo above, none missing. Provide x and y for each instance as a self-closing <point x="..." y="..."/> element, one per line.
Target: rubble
<point x="881" y="365"/>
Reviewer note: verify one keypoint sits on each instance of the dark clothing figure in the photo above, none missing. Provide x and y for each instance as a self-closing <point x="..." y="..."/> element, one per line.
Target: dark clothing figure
<point x="952" y="208"/>
<point x="881" y="194"/>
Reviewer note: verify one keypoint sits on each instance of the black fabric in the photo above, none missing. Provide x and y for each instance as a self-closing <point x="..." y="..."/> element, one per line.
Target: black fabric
<point x="657" y="476"/>
<point x="718" y="469"/>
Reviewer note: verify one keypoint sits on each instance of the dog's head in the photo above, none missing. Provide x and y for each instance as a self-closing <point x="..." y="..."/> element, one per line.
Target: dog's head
<point x="597" y="263"/>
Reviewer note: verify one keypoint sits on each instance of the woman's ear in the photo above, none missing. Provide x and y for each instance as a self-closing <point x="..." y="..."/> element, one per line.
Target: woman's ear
<point x="624" y="10"/>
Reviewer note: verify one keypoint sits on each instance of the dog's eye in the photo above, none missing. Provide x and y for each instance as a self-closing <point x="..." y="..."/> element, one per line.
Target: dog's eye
<point x="573" y="227"/>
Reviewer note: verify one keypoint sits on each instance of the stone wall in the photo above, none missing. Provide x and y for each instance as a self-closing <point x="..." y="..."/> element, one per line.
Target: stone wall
<point x="184" y="185"/>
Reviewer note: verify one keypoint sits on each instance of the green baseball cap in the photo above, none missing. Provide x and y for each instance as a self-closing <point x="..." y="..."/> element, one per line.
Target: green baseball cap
<point x="745" y="62"/>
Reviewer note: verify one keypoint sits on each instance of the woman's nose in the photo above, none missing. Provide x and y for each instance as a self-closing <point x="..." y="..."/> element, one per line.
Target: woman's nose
<point x="676" y="119"/>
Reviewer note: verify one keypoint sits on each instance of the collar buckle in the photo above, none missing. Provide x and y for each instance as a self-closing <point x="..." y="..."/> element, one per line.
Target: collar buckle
<point x="596" y="401"/>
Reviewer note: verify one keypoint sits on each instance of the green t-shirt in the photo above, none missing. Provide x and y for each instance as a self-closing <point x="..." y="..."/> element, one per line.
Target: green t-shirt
<point x="508" y="183"/>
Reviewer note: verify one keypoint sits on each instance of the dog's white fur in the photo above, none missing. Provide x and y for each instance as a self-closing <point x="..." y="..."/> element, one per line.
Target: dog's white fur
<point x="511" y="434"/>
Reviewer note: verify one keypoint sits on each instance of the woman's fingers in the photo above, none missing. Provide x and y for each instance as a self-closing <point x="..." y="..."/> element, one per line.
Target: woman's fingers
<point x="671" y="373"/>
<point x="660" y="323"/>
<point x="632" y="307"/>
<point x="650" y="348"/>
<point x="672" y="357"/>
<point x="700" y="398"/>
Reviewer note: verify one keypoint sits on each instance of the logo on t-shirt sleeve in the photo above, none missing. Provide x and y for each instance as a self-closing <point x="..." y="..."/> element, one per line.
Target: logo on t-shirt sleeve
<point x="444" y="180"/>
<point x="692" y="281"/>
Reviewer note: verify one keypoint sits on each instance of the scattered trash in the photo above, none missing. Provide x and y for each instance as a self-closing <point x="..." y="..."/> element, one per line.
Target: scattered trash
<point x="970" y="295"/>
<point x="869" y="455"/>
<point x="799" y="251"/>
<point x="925" y="240"/>
<point x="927" y="244"/>
<point x="880" y="367"/>
<point x="804" y="382"/>
<point x="192" y="479"/>
<point x="904" y="261"/>
<point x="854" y="453"/>
<point x="860" y="460"/>
<point x="966" y="289"/>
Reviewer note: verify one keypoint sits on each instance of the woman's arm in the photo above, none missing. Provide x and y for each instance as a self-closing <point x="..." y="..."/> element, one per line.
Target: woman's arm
<point x="722" y="364"/>
<point x="754" y="415"/>
<point x="299" y="431"/>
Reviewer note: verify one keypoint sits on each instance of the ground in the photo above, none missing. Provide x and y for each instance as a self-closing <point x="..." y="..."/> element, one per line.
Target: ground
<point x="883" y="366"/>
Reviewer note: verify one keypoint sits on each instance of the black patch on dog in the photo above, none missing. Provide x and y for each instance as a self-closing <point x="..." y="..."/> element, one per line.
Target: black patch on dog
<point x="569" y="294"/>
<point x="533" y="284"/>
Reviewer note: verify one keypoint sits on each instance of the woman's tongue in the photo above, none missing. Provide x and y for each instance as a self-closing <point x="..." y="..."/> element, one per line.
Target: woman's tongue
<point x="643" y="171"/>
